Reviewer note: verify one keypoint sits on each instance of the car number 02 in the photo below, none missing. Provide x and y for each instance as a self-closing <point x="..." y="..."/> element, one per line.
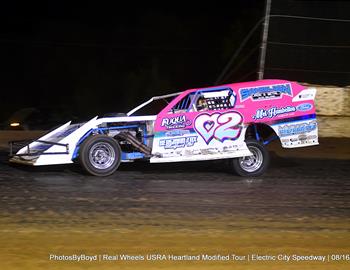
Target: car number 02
<point x="221" y="126"/>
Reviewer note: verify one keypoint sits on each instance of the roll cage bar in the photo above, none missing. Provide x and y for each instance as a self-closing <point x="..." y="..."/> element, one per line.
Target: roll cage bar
<point x="195" y="93"/>
<point x="150" y="100"/>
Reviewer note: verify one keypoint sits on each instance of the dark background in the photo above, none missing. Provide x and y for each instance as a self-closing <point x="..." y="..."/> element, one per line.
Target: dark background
<point x="322" y="55"/>
<point x="91" y="58"/>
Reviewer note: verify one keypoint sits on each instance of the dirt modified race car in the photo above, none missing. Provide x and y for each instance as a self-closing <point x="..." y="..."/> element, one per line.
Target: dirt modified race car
<point x="233" y="122"/>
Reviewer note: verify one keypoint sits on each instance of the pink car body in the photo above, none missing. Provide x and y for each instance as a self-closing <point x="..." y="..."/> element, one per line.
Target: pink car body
<point x="219" y="131"/>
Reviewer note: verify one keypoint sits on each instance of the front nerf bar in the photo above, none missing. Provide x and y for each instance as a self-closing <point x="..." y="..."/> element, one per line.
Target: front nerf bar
<point x="23" y="143"/>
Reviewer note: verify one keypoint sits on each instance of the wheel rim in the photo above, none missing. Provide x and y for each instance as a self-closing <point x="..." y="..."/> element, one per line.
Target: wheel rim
<point x="102" y="155"/>
<point x="254" y="162"/>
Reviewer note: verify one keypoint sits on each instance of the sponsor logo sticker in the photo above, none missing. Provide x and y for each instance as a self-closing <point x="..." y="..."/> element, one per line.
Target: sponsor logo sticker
<point x="266" y="92"/>
<point x="273" y="112"/>
<point x="304" y="107"/>
<point x="178" y="142"/>
<point x="179" y="121"/>
<point x="294" y="129"/>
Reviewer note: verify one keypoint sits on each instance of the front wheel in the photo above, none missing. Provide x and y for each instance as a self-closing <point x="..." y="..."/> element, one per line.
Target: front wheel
<point x="254" y="165"/>
<point x="100" y="155"/>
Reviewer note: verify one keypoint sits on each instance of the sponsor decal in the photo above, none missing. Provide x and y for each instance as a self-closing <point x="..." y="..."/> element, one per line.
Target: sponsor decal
<point x="221" y="126"/>
<point x="273" y="112"/>
<point x="178" y="142"/>
<point x="302" y="137"/>
<point x="265" y="92"/>
<point x="293" y="129"/>
<point x="312" y="137"/>
<point x="305" y="96"/>
<point x="174" y="133"/>
<point x="66" y="132"/>
<point x="40" y="147"/>
<point x="176" y="122"/>
<point x="304" y="107"/>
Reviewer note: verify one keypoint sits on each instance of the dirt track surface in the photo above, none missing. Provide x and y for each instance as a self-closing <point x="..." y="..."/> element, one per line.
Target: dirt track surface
<point x="300" y="206"/>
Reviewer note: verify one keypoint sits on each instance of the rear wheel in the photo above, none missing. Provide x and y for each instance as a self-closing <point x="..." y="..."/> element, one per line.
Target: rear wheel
<point x="254" y="165"/>
<point x="100" y="155"/>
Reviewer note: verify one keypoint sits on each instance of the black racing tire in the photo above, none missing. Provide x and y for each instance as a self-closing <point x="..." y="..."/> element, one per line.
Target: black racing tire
<point x="254" y="165"/>
<point x="100" y="155"/>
